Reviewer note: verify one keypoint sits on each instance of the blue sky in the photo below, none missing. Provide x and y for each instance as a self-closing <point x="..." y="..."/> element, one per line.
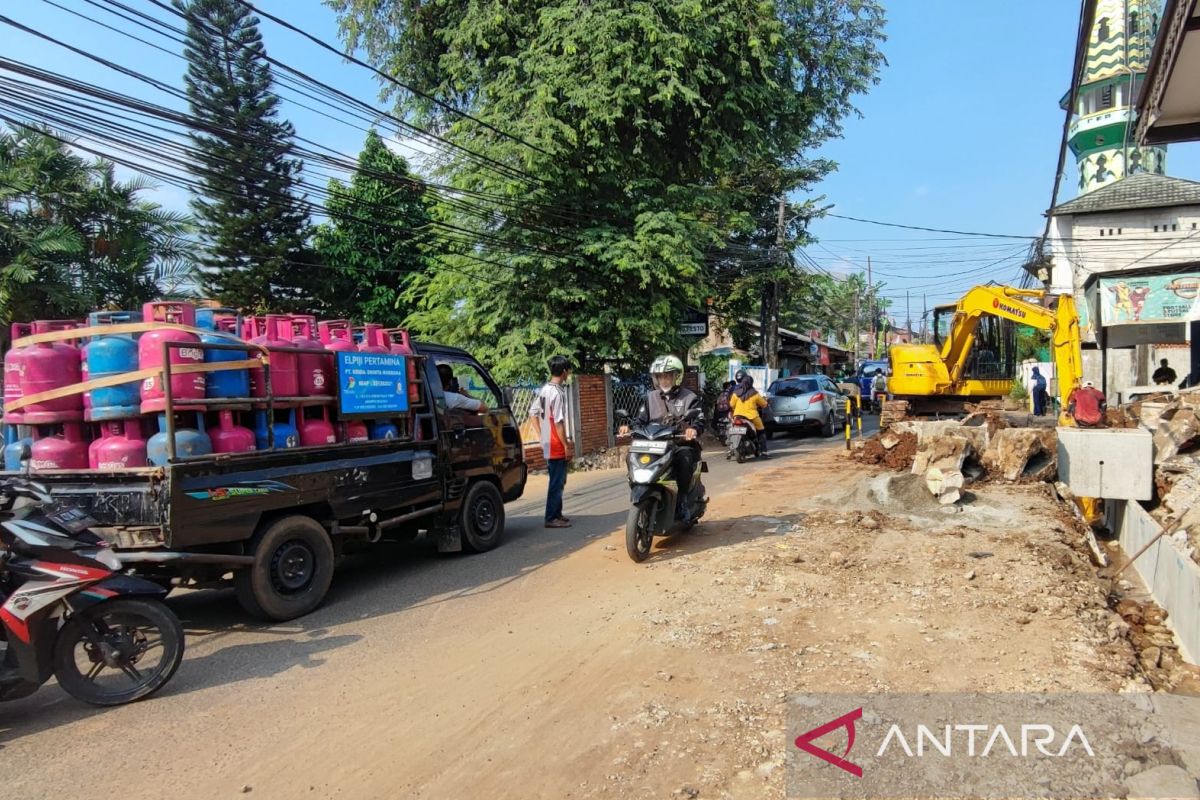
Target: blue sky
<point x="962" y="131"/>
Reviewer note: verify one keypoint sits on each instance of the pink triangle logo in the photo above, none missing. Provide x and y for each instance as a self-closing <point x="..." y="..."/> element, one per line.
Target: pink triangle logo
<point x="805" y="742"/>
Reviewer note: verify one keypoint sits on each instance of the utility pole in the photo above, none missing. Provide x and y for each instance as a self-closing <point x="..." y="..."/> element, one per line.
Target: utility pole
<point x="856" y="342"/>
<point x="907" y="316"/>
<point x="924" y="318"/>
<point x="770" y="300"/>
<point x="871" y="305"/>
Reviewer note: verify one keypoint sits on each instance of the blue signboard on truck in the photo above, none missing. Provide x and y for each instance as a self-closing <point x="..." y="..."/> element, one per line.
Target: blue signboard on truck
<point x="374" y="384"/>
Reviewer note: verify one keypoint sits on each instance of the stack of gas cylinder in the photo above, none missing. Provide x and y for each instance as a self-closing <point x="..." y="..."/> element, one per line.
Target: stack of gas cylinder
<point x="218" y="411"/>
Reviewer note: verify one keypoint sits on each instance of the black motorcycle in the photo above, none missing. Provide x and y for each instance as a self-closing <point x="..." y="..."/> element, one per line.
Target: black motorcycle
<point x="68" y="610"/>
<point x="653" y="491"/>
<point x="743" y="441"/>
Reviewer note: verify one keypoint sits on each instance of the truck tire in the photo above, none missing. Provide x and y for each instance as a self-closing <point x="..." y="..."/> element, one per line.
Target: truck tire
<point x="292" y="570"/>
<point x="481" y="517"/>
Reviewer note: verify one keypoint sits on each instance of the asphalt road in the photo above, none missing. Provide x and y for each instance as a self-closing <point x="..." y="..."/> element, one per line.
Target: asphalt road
<point x="380" y="597"/>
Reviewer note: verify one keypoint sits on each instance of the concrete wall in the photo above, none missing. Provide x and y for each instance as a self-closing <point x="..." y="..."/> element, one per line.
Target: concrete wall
<point x="1120" y="373"/>
<point x="1172" y="578"/>
<point x="1080" y="251"/>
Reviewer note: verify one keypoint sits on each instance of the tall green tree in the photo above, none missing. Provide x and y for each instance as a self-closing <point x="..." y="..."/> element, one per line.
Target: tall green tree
<point x="645" y="131"/>
<point x="376" y="237"/>
<point x="74" y="238"/>
<point x="252" y="221"/>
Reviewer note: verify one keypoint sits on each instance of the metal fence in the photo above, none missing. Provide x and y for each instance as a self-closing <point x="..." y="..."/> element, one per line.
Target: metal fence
<point x="519" y="399"/>
<point x="627" y="396"/>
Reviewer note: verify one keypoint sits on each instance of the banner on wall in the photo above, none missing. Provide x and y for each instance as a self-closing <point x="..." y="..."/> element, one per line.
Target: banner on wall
<point x="1152" y="298"/>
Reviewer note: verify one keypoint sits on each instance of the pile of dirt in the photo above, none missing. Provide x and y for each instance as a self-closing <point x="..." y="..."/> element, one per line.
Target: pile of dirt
<point x="899" y="456"/>
<point x="1117" y="418"/>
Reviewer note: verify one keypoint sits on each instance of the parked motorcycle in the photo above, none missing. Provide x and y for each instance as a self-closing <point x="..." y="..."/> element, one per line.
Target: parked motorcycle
<point x="653" y="491"/>
<point x="69" y="612"/>
<point x="743" y="440"/>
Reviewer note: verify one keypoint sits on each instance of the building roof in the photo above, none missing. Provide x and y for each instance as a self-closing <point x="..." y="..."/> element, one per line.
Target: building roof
<point x="1144" y="190"/>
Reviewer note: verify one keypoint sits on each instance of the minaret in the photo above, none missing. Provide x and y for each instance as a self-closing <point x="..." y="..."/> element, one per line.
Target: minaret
<point x="1101" y="132"/>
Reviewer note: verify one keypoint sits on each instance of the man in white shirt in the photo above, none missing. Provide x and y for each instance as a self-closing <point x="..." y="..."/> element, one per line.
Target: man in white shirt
<point x="455" y="400"/>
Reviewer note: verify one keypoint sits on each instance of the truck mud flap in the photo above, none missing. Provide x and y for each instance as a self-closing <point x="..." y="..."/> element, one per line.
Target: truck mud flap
<point x="449" y="538"/>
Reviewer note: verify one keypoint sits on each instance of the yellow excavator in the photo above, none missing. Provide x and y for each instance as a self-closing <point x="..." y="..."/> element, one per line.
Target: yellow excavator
<point x="974" y="354"/>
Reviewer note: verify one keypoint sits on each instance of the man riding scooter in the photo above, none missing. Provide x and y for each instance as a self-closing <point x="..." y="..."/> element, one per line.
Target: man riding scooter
<point x="669" y="402"/>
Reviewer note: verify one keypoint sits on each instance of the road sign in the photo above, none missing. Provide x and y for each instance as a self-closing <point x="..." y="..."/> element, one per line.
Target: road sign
<point x="694" y="323"/>
<point x="370" y="383"/>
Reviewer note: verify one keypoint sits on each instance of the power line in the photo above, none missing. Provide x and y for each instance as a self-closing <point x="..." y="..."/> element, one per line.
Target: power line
<point x="354" y="60"/>
<point x="931" y="230"/>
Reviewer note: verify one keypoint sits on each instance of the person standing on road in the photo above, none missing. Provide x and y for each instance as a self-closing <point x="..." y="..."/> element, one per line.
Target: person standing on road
<point x="550" y="406"/>
<point x="1039" y="393"/>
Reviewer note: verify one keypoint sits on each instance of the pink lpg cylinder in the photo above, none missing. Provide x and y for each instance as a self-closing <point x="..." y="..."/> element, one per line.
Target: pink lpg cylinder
<point x="317" y="430"/>
<point x="229" y="437"/>
<point x="66" y="450"/>
<point x="336" y="336"/>
<point x="52" y="365"/>
<point x="316" y="370"/>
<point x="184" y="387"/>
<point x="274" y="333"/>
<point x="373" y="339"/>
<point x="14" y="368"/>
<point x="121" y="446"/>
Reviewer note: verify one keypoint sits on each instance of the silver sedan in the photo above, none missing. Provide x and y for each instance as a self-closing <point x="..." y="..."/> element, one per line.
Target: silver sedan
<point x="805" y="402"/>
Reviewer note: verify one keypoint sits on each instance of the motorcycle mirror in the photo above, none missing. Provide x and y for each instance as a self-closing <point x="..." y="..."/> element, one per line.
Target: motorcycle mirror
<point x="622" y="413"/>
<point x="26" y="452"/>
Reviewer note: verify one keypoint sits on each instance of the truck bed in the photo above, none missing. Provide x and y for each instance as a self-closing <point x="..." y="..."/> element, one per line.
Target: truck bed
<point x="218" y="499"/>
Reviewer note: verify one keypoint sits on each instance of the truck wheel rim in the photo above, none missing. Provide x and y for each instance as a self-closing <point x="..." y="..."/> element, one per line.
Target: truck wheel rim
<point x="484" y="516"/>
<point x="292" y="567"/>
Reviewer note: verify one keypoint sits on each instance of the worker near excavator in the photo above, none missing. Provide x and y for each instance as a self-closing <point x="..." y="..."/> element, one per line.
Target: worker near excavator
<point x="1039" y="393"/>
<point x="1086" y="406"/>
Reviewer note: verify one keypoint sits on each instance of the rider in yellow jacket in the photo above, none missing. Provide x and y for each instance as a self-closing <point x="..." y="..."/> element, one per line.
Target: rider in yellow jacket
<point x="747" y="403"/>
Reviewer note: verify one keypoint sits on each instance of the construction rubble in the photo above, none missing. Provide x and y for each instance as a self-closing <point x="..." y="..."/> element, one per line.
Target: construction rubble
<point x="951" y="454"/>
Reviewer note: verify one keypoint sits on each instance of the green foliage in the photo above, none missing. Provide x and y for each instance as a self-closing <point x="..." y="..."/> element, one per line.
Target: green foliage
<point x="251" y="222"/>
<point x="828" y="304"/>
<point x="375" y="239"/>
<point x="73" y="238"/>
<point x="1032" y="344"/>
<point x="1018" y="390"/>
<point x="662" y="133"/>
<point x="716" y="373"/>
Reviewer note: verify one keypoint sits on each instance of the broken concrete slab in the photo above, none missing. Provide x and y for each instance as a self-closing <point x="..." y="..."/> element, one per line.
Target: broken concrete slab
<point x="1162" y="781"/>
<point x="889" y="440"/>
<point x="940" y="462"/>
<point x="1178" y="431"/>
<point x="1023" y="454"/>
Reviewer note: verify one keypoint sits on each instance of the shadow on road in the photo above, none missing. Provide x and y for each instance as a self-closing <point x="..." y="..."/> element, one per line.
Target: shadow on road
<point x="391" y="578"/>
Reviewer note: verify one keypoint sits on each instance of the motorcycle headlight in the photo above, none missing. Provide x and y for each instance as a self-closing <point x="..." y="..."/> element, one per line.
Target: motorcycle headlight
<point x="643" y="476"/>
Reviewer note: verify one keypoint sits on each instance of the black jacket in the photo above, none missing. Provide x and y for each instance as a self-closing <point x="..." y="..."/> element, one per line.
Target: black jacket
<point x="671" y="407"/>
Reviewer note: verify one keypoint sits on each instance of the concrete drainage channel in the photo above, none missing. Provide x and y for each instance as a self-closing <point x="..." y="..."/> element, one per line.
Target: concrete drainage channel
<point x="945" y="457"/>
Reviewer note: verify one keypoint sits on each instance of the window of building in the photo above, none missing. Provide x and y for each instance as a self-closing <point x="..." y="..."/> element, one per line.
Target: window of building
<point x="1156" y="229"/>
<point x="1103" y="32"/>
<point x="1106" y="97"/>
<point x="1174" y="227"/>
<point x="1133" y="22"/>
<point x="1102" y="231"/>
<point x="1118" y="231"/>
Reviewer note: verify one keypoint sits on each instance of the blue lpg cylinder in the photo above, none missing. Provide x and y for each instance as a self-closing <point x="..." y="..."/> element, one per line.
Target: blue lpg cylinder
<point x="383" y="429"/>
<point x="287" y="435"/>
<point x="13" y="442"/>
<point x="113" y="355"/>
<point x="188" y="441"/>
<point x="226" y="382"/>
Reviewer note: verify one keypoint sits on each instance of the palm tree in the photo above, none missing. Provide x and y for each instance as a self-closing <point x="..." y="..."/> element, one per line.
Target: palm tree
<point x="74" y="238"/>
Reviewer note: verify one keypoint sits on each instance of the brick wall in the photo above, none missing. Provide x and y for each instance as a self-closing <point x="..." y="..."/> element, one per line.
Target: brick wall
<point x="593" y="416"/>
<point x="593" y="413"/>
